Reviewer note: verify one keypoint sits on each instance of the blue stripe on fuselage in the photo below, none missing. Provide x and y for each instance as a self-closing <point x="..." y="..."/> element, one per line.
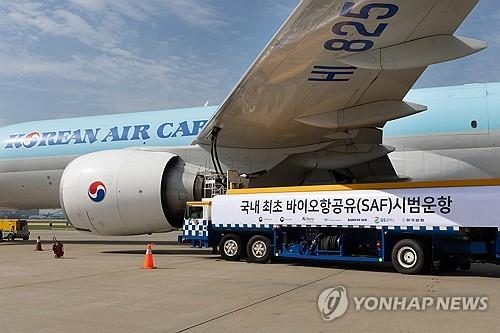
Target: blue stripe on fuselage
<point x="451" y="110"/>
<point x="77" y="136"/>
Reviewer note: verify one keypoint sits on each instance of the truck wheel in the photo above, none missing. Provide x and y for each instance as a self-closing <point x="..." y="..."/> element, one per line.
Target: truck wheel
<point x="408" y="256"/>
<point x="26" y="238"/>
<point x="231" y="247"/>
<point x="10" y="237"/>
<point x="1" y="236"/>
<point x="259" y="249"/>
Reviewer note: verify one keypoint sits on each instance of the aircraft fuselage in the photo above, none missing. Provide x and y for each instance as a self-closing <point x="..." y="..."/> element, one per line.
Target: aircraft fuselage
<point x="457" y="138"/>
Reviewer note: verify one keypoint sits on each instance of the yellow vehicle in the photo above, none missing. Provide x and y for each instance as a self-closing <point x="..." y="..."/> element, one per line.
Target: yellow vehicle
<point x="12" y="229"/>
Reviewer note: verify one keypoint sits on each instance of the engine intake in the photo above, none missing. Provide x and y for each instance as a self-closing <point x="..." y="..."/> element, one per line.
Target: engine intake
<point x="128" y="192"/>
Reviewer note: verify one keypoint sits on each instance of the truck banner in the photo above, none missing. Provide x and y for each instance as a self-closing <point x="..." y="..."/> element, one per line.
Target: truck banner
<point x="474" y="206"/>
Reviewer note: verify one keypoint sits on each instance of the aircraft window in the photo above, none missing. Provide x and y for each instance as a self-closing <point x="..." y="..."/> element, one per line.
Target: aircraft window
<point x="473" y="124"/>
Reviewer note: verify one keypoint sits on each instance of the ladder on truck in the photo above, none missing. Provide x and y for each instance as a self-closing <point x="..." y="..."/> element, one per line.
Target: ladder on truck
<point x="214" y="185"/>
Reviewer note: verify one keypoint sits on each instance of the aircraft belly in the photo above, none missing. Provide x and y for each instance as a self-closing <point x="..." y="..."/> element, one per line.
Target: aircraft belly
<point x="30" y="189"/>
<point x="470" y="163"/>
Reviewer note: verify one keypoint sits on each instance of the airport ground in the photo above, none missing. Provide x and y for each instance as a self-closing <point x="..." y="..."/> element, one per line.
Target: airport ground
<point x="99" y="287"/>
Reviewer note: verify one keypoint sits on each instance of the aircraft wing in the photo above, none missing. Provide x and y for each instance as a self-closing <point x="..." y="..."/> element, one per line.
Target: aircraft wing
<point x="337" y="67"/>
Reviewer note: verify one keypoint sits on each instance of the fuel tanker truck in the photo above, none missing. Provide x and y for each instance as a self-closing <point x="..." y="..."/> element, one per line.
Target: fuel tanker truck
<point x="415" y="226"/>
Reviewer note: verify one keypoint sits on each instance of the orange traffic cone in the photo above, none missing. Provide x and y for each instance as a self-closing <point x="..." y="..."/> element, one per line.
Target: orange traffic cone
<point x="148" y="259"/>
<point x="38" y="246"/>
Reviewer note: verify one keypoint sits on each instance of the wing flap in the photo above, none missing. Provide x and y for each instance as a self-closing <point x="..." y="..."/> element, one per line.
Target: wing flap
<point x="363" y="115"/>
<point x="416" y="53"/>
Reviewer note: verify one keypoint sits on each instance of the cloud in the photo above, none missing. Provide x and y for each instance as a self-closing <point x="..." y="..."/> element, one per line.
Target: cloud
<point x="280" y="7"/>
<point x="93" y="5"/>
<point x="60" y="23"/>
<point x="110" y="84"/>
<point x="88" y="54"/>
<point x="99" y="24"/>
<point x="195" y="12"/>
<point x="478" y="68"/>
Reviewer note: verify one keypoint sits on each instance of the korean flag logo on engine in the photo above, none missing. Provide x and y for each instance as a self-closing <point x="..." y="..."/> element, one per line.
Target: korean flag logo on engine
<point x="97" y="191"/>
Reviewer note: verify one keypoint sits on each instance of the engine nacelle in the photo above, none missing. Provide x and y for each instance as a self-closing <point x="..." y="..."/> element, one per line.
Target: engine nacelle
<point x="128" y="192"/>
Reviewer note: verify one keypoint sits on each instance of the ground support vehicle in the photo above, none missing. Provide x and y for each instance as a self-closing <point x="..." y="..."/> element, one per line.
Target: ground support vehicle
<point x="415" y="226"/>
<point x="12" y="229"/>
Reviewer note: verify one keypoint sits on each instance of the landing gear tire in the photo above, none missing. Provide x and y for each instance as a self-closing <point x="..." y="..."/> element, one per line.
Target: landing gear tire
<point x="231" y="247"/>
<point x="408" y="256"/>
<point x="259" y="249"/>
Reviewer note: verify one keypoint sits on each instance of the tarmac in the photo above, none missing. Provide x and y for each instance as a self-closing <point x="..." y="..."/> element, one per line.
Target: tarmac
<point x="99" y="287"/>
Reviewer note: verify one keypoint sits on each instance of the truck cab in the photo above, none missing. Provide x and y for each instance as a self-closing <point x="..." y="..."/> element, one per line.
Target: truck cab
<point x="12" y="229"/>
<point x="197" y="223"/>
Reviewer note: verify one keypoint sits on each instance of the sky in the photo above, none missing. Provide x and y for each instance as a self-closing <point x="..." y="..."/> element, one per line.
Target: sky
<point x="90" y="57"/>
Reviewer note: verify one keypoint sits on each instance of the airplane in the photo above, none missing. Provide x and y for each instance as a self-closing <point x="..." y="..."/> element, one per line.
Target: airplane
<point x="312" y="109"/>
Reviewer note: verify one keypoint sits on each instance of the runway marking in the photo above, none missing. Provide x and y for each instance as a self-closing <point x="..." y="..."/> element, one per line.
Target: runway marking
<point x="259" y="302"/>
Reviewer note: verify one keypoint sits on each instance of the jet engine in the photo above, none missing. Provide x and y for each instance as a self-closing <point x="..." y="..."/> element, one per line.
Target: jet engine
<point x="128" y="192"/>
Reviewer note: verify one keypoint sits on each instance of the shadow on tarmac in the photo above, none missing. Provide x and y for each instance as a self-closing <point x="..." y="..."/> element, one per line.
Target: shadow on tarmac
<point x="478" y="270"/>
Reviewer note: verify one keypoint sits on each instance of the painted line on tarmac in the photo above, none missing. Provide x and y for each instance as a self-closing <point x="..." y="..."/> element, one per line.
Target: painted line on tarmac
<point x="94" y="275"/>
<point x="68" y="279"/>
<point x="260" y="302"/>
